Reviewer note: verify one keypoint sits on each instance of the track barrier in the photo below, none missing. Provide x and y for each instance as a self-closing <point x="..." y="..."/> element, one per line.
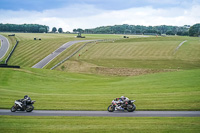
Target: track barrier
<point x="7" y="59"/>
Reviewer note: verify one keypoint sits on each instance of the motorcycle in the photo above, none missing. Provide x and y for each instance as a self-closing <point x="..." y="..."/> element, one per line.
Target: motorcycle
<point x="128" y="105"/>
<point x="18" y="106"/>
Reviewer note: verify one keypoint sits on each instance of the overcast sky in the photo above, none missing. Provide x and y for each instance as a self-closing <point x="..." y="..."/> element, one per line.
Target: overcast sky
<point x="70" y="14"/>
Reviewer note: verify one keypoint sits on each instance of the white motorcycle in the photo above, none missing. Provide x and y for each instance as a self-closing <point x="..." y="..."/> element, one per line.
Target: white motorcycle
<point x="18" y="106"/>
<point x="128" y="105"/>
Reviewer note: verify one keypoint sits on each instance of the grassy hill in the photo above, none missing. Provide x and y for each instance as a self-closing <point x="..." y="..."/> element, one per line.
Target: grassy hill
<point x="136" y="56"/>
<point x="175" y="89"/>
<point x="133" y="55"/>
<point x="30" y="51"/>
<point x="70" y="91"/>
<point x="166" y="80"/>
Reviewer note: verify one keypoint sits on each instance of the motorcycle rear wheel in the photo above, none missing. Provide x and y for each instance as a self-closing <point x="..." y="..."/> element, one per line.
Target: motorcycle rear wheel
<point x="29" y="108"/>
<point x="111" y="108"/>
<point x="13" y="109"/>
<point x="131" y="108"/>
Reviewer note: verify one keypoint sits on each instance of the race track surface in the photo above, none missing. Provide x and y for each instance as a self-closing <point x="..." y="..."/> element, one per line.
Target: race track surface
<point x="51" y="56"/>
<point x="104" y="113"/>
<point x="4" y="46"/>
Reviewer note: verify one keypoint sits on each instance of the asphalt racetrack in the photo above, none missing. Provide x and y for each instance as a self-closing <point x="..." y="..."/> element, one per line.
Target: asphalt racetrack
<point x="4" y="46"/>
<point x="51" y="56"/>
<point x="103" y="113"/>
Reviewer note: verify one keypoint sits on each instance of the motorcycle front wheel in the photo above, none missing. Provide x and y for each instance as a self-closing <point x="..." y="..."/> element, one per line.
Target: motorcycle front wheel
<point x="111" y="108"/>
<point x="29" y="108"/>
<point x="13" y="109"/>
<point x="131" y="108"/>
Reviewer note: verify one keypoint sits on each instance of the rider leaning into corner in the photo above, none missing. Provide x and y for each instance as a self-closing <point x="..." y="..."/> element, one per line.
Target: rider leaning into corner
<point x="25" y="100"/>
<point x="121" y="101"/>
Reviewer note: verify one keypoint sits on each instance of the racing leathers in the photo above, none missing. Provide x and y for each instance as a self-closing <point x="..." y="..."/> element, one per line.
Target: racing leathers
<point x="121" y="101"/>
<point x="25" y="100"/>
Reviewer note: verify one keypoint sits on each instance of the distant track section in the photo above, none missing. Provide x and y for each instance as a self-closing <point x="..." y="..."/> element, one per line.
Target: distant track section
<point x="58" y="51"/>
<point x="104" y="113"/>
<point x="80" y="49"/>
<point x="70" y="55"/>
<point x="4" y="46"/>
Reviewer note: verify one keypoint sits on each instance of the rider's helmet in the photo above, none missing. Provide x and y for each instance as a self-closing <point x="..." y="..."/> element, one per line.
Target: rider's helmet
<point x="26" y="96"/>
<point x="123" y="97"/>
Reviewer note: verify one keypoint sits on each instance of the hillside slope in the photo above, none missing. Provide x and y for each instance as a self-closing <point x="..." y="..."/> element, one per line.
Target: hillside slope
<point x="136" y="56"/>
<point x="70" y="91"/>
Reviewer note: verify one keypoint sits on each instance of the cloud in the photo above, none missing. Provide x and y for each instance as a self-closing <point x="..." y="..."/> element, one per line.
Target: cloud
<point x="146" y="16"/>
<point x="88" y="16"/>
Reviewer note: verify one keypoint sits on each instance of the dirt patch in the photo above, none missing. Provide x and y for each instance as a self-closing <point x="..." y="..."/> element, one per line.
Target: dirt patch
<point x="128" y="71"/>
<point x="76" y="66"/>
<point x="83" y="67"/>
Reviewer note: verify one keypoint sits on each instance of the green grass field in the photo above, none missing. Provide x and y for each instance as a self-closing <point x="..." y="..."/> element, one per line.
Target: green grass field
<point x="21" y="124"/>
<point x="146" y="54"/>
<point x="70" y="91"/>
<point x="30" y="51"/>
<point x="145" y="69"/>
<point x="170" y="87"/>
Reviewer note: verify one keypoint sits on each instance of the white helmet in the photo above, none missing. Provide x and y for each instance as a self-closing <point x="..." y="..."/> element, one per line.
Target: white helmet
<point x="122" y="97"/>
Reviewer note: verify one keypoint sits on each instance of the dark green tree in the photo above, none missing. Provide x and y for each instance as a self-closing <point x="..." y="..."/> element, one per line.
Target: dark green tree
<point x="33" y="28"/>
<point x="170" y="33"/>
<point x="42" y="30"/>
<point x="74" y="30"/>
<point x="80" y="30"/>
<point x="60" y="30"/>
<point x="54" y="29"/>
<point x="194" y="30"/>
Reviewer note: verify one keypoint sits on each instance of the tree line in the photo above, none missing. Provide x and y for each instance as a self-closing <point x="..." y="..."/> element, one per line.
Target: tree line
<point x="185" y="30"/>
<point x="54" y="30"/>
<point x="32" y="28"/>
<point x="116" y="29"/>
<point x="195" y="30"/>
<point x="137" y="29"/>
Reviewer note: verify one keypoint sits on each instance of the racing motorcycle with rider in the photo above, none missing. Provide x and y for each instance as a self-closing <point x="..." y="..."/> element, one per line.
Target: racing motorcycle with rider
<point x="23" y="104"/>
<point x="122" y="103"/>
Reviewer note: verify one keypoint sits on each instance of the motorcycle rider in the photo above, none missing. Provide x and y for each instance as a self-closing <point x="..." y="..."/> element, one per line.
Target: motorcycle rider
<point x="121" y="101"/>
<point x="25" y="100"/>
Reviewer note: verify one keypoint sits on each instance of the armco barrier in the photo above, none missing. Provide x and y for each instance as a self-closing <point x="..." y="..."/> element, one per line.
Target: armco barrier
<point x="6" y="61"/>
<point x="80" y="49"/>
<point x="6" y="66"/>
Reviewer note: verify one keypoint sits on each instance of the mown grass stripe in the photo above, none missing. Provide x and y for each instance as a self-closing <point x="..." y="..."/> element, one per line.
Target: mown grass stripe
<point x="26" y="54"/>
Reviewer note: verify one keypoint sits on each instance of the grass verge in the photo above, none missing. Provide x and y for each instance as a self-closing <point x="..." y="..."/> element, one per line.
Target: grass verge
<point x="58" y="124"/>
